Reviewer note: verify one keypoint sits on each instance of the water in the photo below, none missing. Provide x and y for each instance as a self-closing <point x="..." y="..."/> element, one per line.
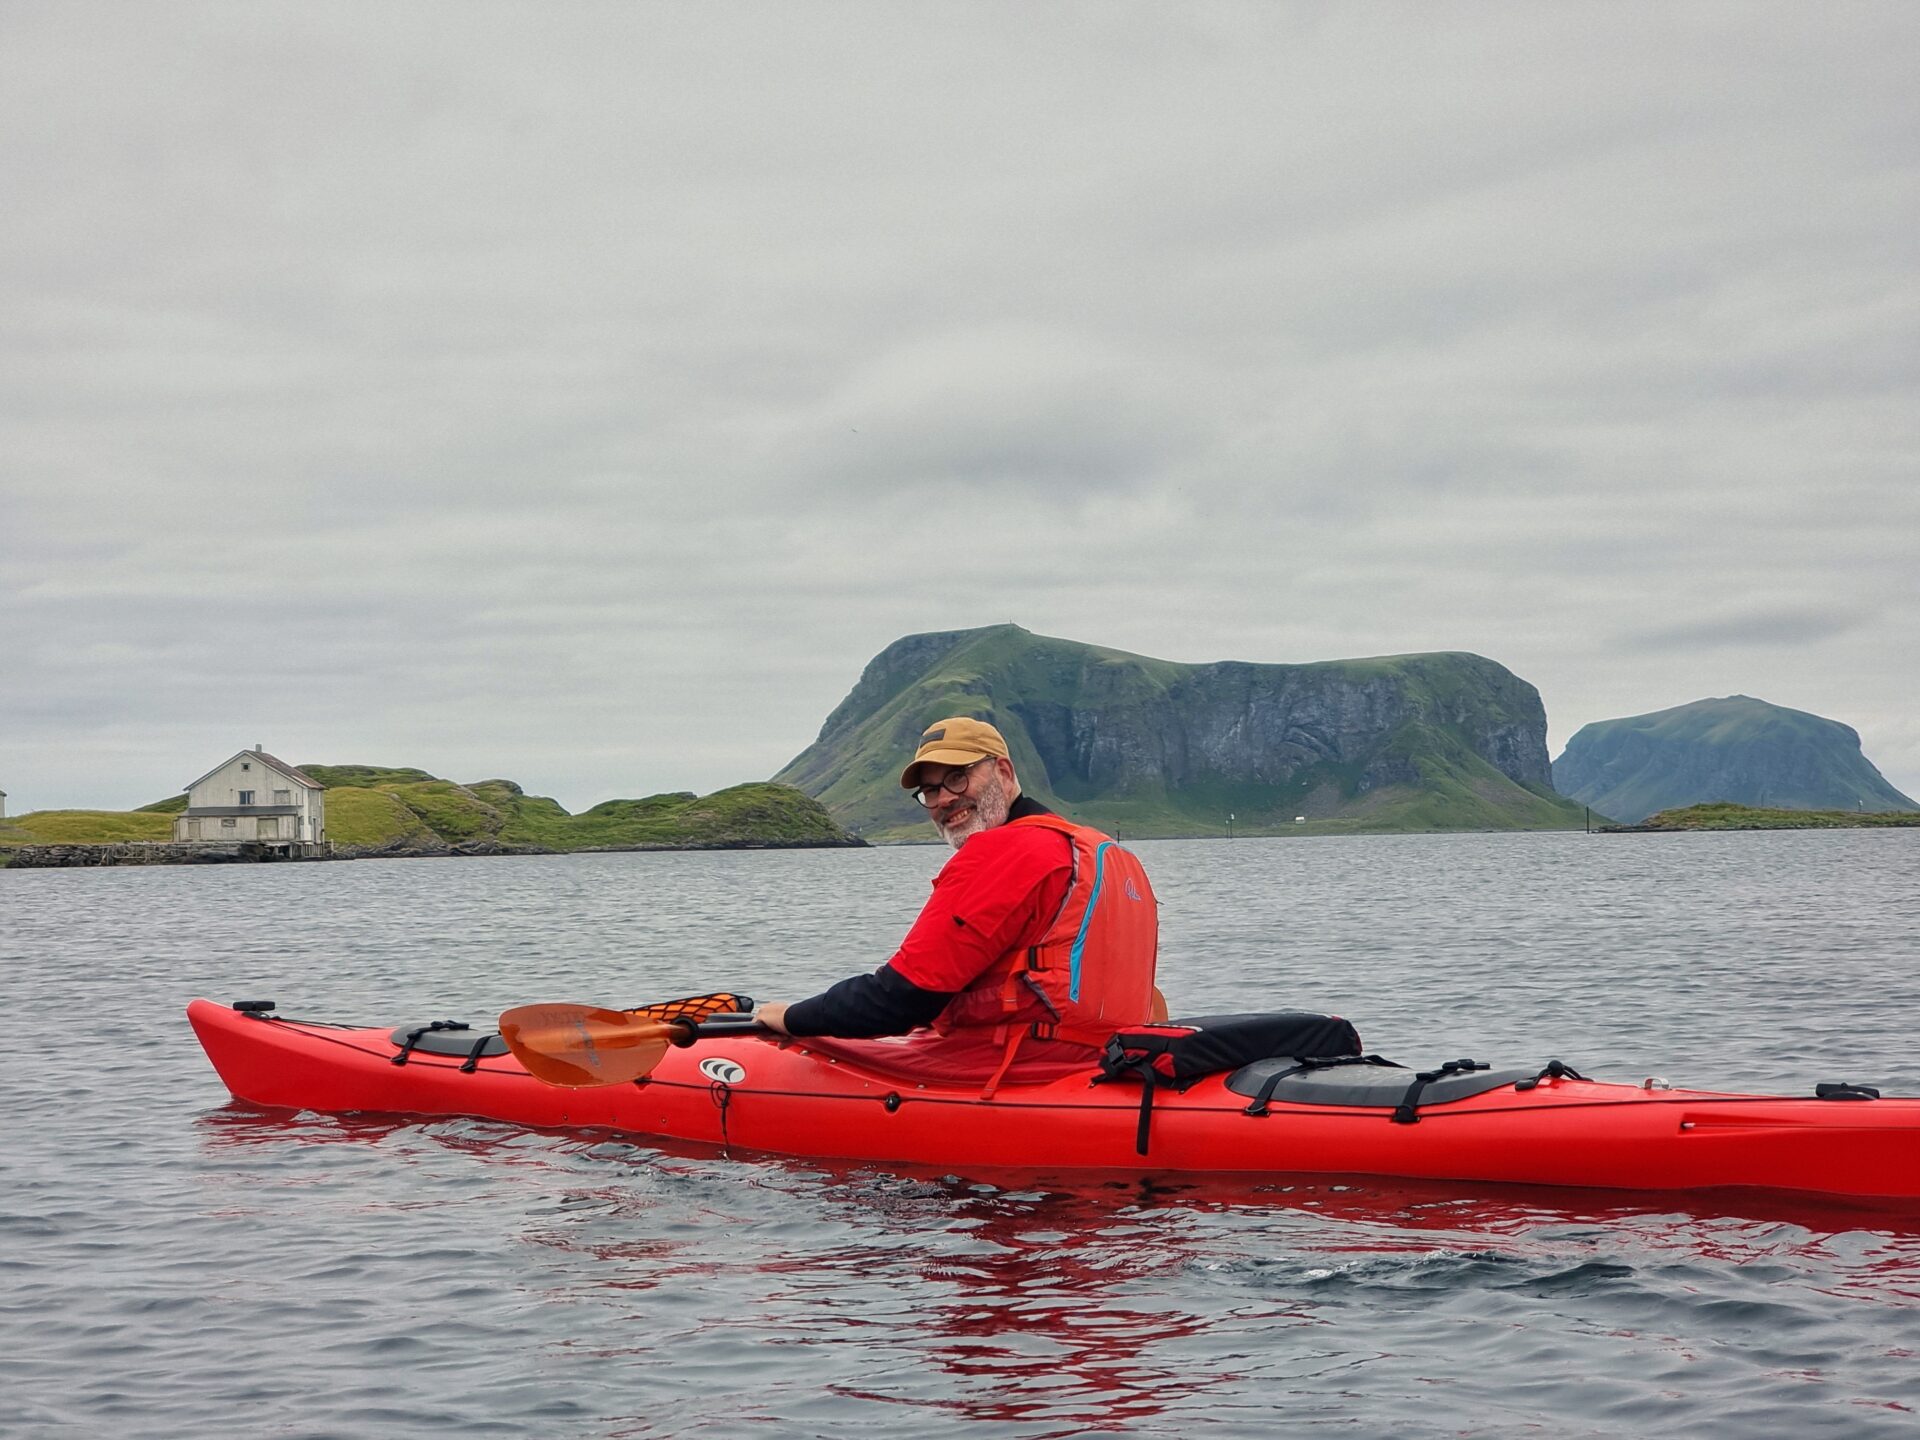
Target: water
<point x="173" y="1265"/>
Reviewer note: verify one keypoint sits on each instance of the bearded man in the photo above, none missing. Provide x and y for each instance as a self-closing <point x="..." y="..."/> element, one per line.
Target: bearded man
<point x="1038" y="943"/>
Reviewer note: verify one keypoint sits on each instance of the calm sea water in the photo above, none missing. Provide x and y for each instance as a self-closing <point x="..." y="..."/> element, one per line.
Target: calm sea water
<point x="172" y="1265"/>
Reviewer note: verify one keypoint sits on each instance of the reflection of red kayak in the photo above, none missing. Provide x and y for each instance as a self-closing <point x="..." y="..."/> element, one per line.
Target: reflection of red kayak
<point x="750" y="1092"/>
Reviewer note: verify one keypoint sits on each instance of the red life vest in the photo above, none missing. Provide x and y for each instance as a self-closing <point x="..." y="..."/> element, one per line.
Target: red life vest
<point x="1091" y="973"/>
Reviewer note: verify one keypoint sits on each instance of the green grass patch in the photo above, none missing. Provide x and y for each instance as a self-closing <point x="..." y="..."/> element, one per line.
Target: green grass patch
<point x="755" y="814"/>
<point x="360" y="818"/>
<point x="1719" y="815"/>
<point x="85" y="827"/>
<point x="451" y="811"/>
<point x="364" y="776"/>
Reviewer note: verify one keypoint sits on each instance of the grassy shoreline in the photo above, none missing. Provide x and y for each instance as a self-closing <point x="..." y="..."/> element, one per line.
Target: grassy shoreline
<point x="1720" y="815"/>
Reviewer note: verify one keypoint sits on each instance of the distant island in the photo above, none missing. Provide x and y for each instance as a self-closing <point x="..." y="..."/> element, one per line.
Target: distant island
<point x="378" y="811"/>
<point x="1735" y="749"/>
<point x="1720" y="816"/>
<point x="1144" y="747"/>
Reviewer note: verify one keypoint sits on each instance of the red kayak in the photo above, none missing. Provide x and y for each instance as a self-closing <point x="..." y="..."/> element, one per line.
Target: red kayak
<point x="1542" y="1127"/>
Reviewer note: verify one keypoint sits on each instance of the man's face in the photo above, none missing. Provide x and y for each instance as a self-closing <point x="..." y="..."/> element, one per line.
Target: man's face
<point x="980" y="804"/>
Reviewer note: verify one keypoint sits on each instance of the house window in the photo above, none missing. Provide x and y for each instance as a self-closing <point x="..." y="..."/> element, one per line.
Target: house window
<point x="246" y="765"/>
<point x="283" y="797"/>
<point x="246" y="797"/>
<point x="228" y="823"/>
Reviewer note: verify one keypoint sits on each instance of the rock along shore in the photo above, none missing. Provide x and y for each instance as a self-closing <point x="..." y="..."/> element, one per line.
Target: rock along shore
<point x="134" y="852"/>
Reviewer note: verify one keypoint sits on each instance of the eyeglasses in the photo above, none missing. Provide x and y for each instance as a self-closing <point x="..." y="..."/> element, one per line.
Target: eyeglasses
<point x="954" y="782"/>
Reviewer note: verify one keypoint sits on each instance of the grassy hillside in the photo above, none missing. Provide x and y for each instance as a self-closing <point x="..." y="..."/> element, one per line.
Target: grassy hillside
<point x="83" y="827"/>
<point x="361" y="819"/>
<point x="371" y="807"/>
<point x="403" y="811"/>
<point x="1152" y="747"/>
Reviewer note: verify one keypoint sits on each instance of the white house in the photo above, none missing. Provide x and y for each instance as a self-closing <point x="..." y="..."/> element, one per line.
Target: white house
<point x="253" y="796"/>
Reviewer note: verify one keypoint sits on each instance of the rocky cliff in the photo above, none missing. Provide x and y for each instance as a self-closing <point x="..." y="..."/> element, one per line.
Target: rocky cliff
<point x="1151" y="747"/>
<point x="1736" y="749"/>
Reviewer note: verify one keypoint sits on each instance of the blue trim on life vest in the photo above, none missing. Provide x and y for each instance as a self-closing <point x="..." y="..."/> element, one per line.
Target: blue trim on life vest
<point x="1086" y="919"/>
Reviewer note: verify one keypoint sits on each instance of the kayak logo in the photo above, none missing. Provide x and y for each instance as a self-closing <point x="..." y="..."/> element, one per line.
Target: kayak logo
<point x="723" y="1071"/>
<point x="1132" y="894"/>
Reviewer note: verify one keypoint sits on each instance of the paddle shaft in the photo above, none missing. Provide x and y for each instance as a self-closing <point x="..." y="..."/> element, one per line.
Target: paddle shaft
<point x="715" y="1027"/>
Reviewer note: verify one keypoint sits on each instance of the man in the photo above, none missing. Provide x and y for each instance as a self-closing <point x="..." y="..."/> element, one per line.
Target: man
<point x="1039" y="940"/>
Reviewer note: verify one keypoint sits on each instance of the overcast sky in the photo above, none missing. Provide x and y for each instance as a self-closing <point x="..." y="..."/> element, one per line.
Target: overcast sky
<point x="584" y="393"/>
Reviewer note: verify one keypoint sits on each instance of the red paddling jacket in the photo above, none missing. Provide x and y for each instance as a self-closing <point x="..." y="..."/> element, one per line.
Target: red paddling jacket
<point x="1090" y="973"/>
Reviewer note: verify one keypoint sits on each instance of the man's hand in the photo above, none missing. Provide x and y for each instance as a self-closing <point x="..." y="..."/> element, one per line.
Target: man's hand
<point x="773" y="1016"/>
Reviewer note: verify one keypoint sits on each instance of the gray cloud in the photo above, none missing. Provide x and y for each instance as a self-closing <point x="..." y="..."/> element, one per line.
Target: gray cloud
<point x="1765" y="629"/>
<point x="586" y="394"/>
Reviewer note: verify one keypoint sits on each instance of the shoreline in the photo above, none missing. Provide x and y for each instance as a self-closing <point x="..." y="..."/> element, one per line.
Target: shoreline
<point x="1809" y="820"/>
<point x="139" y="853"/>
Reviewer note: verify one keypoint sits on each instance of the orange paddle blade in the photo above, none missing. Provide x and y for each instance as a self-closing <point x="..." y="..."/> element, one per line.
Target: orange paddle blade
<point x="582" y="1045"/>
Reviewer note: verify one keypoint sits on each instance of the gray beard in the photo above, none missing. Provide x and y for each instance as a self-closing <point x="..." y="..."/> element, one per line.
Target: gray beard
<point x="990" y="808"/>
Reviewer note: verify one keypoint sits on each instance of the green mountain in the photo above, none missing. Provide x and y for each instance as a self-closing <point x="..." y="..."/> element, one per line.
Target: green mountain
<point x="1150" y="747"/>
<point x="1737" y="749"/>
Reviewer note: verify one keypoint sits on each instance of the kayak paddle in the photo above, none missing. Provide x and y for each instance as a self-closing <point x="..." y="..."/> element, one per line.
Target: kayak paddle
<point x="577" y="1046"/>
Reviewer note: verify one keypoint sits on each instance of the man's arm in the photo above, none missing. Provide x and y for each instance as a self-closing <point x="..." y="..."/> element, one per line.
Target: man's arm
<point x="860" y="1007"/>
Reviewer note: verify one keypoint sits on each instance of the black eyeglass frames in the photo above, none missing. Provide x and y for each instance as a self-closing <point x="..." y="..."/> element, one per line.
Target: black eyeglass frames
<point x="953" y="782"/>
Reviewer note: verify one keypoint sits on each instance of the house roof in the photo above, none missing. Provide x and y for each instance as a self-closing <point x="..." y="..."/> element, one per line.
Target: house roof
<point x="292" y="772"/>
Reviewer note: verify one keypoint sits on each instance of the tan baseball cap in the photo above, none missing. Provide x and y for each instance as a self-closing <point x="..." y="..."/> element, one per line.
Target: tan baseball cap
<point x="959" y="741"/>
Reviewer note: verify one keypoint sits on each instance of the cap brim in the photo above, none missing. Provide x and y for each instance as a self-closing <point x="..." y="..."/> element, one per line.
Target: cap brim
<point x="941" y="757"/>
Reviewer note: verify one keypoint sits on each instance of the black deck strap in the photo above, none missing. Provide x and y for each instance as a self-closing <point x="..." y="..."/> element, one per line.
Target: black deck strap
<point x="1113" y="1067"/>
<point x="254" y="1007"/>
<point x="1142" y="1068"/>
<point x="1141" y="1131"/>
<point x="1408" y="1110"/>
<point x="1844" y="1090"/>
<point x="413" y="1037"/>
<point x="474" y="1052"/>
<point x="1304" y="1063"/>
<point x="1554" y="1070"/>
